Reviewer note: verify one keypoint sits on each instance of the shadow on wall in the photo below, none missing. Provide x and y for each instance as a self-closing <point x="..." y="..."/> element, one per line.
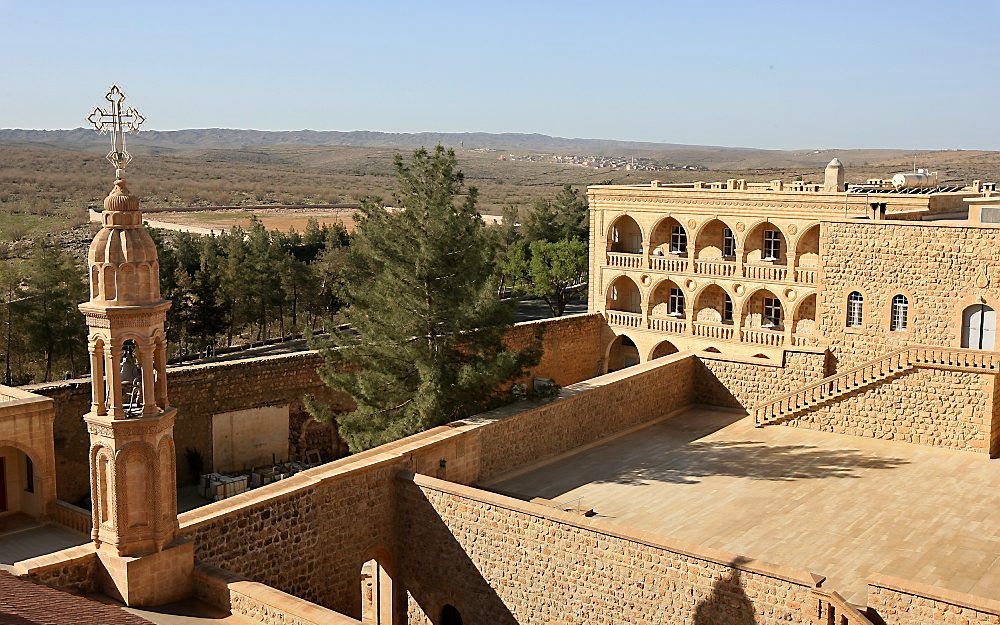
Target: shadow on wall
<point x="728" y="602"/>
<point x="437" y="571"/>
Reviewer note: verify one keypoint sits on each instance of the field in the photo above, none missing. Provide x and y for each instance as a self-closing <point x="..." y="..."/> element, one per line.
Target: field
<point x="47" y="187"/>
<point x="282" y="219"/>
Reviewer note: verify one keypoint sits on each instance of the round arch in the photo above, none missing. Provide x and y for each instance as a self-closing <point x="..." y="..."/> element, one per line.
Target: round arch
<point x="754" y="244"/>
<point x="622" y="352"/>
<point x="709" y="239"/>
<point x="755" y="311"/>
<point x="625" y="235"/>
<point x="807" y="247"/>
<point x="661" y="349"/>
<point x="659" y="298"/>
<point x="713" y="303"/>
<point x="623" y="294"/>
<point x="660" y="237"/>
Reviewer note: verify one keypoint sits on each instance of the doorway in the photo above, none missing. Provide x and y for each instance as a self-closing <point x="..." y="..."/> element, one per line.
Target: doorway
<point x="979" y="323"/>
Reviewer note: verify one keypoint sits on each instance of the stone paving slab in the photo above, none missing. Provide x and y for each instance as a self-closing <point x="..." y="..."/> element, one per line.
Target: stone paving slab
<point x="841" y="506"/>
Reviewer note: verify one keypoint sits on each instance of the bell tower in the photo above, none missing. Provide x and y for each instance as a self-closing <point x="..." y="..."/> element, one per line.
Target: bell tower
<point x="133" y="478"/>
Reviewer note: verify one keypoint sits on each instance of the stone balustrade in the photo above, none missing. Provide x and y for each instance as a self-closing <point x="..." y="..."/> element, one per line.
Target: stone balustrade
<point x="765" y="272"/>
<point x="713" y="267"/>
<point x="624" y="319"/>
<point x="673" y="325"/>
<point x="625" y="261"/>
<point x="762" y="336"/>
<point x="716" y="331"/>
<point x="671" y="263"/>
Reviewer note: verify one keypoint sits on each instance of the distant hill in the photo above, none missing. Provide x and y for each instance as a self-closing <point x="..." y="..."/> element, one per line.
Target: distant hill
<point x="224" y="138"/>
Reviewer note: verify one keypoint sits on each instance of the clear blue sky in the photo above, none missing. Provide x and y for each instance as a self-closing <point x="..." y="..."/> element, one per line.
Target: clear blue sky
<point x="742" y="73"/>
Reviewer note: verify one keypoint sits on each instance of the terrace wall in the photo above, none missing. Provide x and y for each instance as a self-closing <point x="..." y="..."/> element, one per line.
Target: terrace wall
<point x="927" y="406"/>
<point x="742" y="383"/>
<point x="902" y="602"/>
<point x="503" y="561"/>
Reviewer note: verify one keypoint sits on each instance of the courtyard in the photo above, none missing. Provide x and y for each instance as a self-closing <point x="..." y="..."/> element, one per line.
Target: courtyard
<point x="840" y="506"/>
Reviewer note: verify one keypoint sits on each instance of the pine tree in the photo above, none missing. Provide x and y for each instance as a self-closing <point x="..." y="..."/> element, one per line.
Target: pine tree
<point x="52" y="325"/>
<point x="426" y="346"/>
<point x="554" y="269"/>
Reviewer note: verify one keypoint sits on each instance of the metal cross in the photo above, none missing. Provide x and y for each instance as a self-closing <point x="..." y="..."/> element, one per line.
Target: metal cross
<point x="116" y="122"/>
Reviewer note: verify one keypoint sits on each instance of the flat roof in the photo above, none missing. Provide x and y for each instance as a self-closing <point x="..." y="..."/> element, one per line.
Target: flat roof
<point x="841" y="506"/>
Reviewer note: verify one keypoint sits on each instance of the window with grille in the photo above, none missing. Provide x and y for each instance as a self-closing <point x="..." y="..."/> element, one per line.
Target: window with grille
<point x="727" y="310"/>
<point x="899" y="313"/>
<point x="772" y="245"/>
<point x="675" y="305"/>
<point x="678" y="240"/>
<point x="772" y="312"/>
<point x="855" y="306"/>
<point x="728" y="243"/>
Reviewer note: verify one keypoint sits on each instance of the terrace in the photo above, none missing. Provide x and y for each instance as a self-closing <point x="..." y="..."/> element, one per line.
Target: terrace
<point x="840" y="506"/>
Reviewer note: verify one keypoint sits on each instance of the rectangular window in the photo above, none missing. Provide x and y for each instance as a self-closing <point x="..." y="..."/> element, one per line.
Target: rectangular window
<point x="772" y="245"/>
<point x="728" y="243"/>
<point x="675" y="307"/>
<point x="29" y="474"/>
<point x="772" y="312"/>
<point x="727" y="311"/>
<point x="678" y="240"/>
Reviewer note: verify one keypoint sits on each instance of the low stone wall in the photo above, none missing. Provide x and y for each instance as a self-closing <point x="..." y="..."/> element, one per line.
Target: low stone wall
<point x="73" y="517"/>
<point x="309" y="535"/>
<point x="738" y="382"/>
<point x="503" y="561"/>
<point x="73" y="570"/>
<point x="260" y="603"/>
<point x="571" y="353"/>
<point x="927" y="406"/>
<point x="902" y="602"/>
<point x="588" y="412"/>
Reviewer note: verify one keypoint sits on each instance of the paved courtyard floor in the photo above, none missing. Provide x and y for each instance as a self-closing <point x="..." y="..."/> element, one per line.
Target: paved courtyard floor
<point x="840" y="506"/>
<point x="22" y="538"/>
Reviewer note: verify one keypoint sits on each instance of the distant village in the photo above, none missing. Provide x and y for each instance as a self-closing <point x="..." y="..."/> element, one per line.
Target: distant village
<point x="614" y="163"/>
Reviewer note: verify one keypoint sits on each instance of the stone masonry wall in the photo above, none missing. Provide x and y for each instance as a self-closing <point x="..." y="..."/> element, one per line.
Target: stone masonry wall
<point x="902" y="602"/>
<point x="937" y="407"/>
<point x="571" y="353"/>
<point x="503" y="561"/>
<point x="307" y="536"/>
<point x="940" y="269"/>
<point x="744" y="383"/>
<point x="588" y="412"/>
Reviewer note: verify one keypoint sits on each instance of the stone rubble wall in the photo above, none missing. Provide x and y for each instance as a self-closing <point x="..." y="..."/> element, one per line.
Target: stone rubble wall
<point x="927" y="406"/>
<point x="75" y="569"/>
<point x="503" y="561"/>
<point x="572" y="352"/>
<point x="902" y="602"/>
<point x="742" y="383"/>
<point x="941" y="269"/>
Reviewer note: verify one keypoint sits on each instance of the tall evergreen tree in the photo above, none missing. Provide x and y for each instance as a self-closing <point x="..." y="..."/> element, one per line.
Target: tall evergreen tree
<point x="53" y="326"/>
<point x="426" y="343"/>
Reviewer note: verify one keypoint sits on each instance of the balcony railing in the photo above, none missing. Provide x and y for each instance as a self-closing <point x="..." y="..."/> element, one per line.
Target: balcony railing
<point x="721" y="268"/>
<point x="670" y="263"/>
<point x="805" y="275"/>
<point x="625" y="261"/>
<point x="804" y="340"/>
<point x="717" y="331"/>
<point x="622" y="318"/>
<point x="673" y="325"/>
<point x="763" y="336"/>
<point x="765" y="272"/>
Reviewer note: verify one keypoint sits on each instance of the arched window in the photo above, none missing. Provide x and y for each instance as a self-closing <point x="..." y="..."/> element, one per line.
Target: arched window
<point x="450" y="615"/>
<point x="899" y="314"/>
<point x="855" y="305"/>
<point x="675" y="305"/>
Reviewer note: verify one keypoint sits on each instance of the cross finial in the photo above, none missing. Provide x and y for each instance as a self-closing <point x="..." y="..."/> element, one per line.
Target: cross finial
<point x="117" y="122"/>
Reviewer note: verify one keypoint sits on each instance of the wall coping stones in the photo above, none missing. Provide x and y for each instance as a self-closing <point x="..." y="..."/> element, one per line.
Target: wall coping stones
<point x="724" y="558"/>
<point x="961" y="599"/>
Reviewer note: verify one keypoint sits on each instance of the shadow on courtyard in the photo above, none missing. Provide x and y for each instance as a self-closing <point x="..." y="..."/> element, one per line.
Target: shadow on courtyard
<point x="749" y="459"/>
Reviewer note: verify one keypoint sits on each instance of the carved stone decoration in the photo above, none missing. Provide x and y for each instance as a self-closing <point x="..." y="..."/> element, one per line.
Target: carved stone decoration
<point x="793" y="229"/>
<point x="983" y="279"/>
<point x="692" y="223"/>
<point x="790" y="294"/>
<point x="691" y="285"/>
<point x="739" y="289"/>
<point x="740" y="226"/>
<point x="645" y="279"/>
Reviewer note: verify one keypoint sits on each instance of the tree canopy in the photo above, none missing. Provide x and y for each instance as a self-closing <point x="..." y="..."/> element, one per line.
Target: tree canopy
<point x="425" y="344"/>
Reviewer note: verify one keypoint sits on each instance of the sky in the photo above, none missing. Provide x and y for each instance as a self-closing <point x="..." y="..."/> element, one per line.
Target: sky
<point x="789" y="75"/>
